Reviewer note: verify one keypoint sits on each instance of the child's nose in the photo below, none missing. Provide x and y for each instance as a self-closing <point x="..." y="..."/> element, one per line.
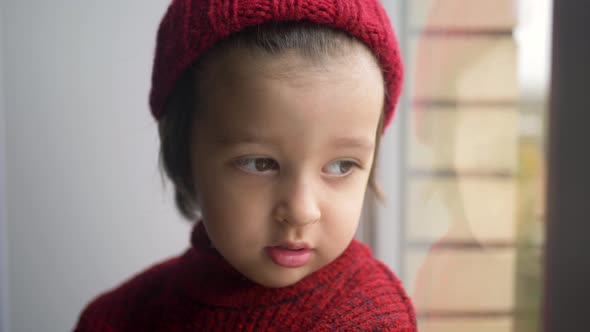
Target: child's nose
<point x="297" y="203"/>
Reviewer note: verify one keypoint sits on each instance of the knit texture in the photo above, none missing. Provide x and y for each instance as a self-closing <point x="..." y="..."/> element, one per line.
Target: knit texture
<point x="200" y="291"/>
<point x="190" y="27"/>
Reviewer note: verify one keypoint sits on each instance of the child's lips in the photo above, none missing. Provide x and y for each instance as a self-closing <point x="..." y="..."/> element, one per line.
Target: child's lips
<point x="290" y="254"/>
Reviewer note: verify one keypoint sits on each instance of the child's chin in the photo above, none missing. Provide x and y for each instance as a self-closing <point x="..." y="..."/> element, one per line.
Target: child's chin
<point x="280" y="282"/>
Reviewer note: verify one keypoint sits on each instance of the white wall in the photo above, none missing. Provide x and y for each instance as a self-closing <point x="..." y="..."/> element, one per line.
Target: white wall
<point x="85" y="205"/>
<point x="4" y="324"/>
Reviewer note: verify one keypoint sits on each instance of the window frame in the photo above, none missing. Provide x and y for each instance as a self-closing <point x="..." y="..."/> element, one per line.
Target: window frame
<point x="567" y="258"/>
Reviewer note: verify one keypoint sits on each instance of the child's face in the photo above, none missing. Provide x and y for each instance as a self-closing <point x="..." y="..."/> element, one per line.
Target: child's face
<point x="282" y="157"/>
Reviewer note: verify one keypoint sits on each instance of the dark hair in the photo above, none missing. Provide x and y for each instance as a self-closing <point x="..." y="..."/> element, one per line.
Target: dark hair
<point x="313" y="41"/>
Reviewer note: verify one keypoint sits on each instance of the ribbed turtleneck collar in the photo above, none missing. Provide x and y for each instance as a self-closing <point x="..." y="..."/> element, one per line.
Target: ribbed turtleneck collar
<point x="208" y="278"/>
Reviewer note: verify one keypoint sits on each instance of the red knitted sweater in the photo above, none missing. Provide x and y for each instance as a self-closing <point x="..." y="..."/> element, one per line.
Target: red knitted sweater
<point x="200" y="291"/>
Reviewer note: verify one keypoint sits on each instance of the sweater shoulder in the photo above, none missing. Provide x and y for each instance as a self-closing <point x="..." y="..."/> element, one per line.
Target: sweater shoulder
<point x="110" y="310"/>
<point x="374" y="300"/>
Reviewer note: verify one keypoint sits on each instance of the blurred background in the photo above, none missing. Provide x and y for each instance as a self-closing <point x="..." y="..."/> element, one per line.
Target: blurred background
<point x="83" y="207"/>
<point x="83" y="203"/>
<point x="471" y="158"/>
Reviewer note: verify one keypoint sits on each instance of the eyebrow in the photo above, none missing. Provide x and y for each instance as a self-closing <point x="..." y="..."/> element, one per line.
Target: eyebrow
<point x="353" y="142"/>
<point x="247" y="138"/>
<point x="242" y="138"/>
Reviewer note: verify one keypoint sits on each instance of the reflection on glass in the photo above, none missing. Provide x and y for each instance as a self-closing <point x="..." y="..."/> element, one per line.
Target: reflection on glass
<point x="475" y="158"/>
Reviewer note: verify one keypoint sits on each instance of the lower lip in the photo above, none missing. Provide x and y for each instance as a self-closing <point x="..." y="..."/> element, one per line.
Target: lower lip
<point x="289" y="258"/>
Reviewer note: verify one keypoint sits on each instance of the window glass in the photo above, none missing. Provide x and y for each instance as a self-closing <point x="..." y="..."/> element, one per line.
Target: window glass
<point x="470" y="192"/>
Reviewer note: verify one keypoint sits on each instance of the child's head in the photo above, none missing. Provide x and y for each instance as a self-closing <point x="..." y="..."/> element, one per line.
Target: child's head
<point x="270" y="136"/>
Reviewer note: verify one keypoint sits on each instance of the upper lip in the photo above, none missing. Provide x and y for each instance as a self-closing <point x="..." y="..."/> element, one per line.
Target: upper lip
<point x="293" y="245"/>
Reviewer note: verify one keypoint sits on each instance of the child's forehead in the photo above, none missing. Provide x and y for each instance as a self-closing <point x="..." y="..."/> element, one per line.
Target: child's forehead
<point x="245" y="79"/>
<point x="238" y="63"/>
<point x="252" y="107"/>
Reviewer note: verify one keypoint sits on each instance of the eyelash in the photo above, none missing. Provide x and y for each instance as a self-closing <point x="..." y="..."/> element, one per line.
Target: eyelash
<point x="242" y="163"/>
<point x="261" y="164"/>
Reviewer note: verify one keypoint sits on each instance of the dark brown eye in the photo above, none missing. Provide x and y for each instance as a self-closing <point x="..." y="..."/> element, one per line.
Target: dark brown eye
<point x="265" y="164"/>
<point x="257" y="165"/>
<point x="341" y="167"/>
<point x="345" y="166"/>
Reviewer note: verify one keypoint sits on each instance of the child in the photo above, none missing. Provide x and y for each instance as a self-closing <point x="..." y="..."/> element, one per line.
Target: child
<point x="270" y="114"/>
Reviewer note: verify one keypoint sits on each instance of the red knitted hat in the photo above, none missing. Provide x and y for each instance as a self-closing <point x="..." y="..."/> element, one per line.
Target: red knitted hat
<point x="190" y="27"/>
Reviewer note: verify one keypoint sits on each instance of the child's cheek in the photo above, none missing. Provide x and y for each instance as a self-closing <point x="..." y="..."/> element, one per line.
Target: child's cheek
<point x="236" y="192"/>
<point x="349" y="203"/>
